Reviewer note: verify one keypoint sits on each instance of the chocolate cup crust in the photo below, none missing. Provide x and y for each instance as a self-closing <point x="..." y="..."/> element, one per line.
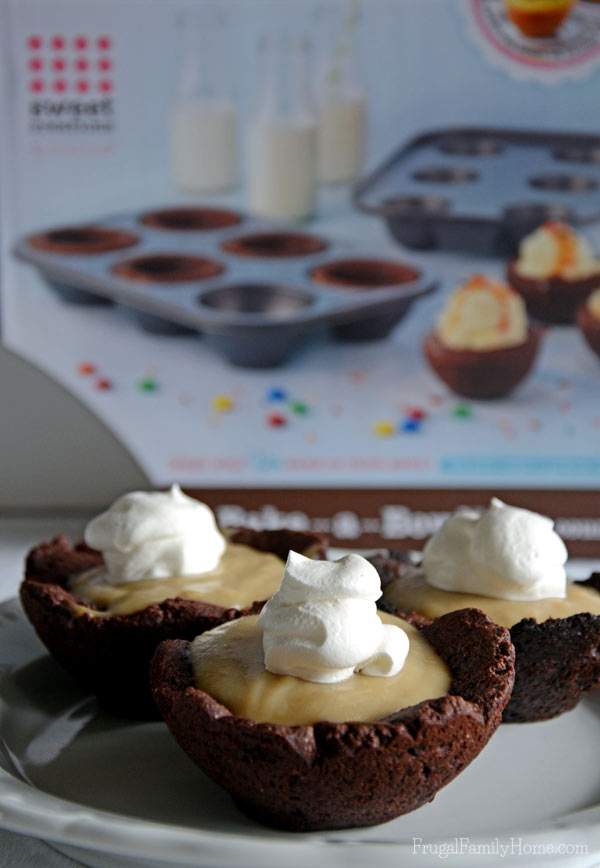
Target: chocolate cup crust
<point x="275" y="245"/>
<point x="168" y="268"/>
<point x="552" y="300"/>
<point x="189" y="219"/>
<point x="340" y="775"/>
<point x="590" y="328"/>
<point x="358" y="274"/>
<point x="482" y="374"/>
<point x="82" y="240"/>
<point x="557" y="661"/>
<point x="110" y="656"/>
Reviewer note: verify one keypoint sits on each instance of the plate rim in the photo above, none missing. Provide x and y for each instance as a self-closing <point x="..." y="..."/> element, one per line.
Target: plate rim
<point x="26" y="810"/>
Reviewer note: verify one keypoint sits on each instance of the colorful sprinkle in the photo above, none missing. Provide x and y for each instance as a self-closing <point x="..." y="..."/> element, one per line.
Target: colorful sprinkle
<point x="276" y="420"/>
<point x="147" y="384"/>
<point x="384" y="428"/>
<point x="416" y="413"/>
<point x="222" y="403"/>
<point x="276" y="394"/>
<point x="436" y="400"/>
<point x="410" y="425"/>
<point x="299" y="407"/>
<point x="86" y="369"/>
<point x="462" y="411"/>
<point x="103" y="384"/>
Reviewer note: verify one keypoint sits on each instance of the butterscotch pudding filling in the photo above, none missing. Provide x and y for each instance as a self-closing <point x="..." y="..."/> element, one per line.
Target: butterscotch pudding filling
<point x="160" y="545"/>
<point x="432" y="602"/>
<point x="228" y="664"/>
<point x="242" y="576"/>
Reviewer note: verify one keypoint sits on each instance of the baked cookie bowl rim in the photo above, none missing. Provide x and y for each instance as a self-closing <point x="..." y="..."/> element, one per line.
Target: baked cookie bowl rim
<point x="55" y="587"/>
<point x="177" y="653"/>
<point x="532" y="700"/>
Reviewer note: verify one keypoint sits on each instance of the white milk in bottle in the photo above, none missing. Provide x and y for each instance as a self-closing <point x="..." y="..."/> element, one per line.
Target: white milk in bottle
<point x="204" y="152"/>
<point x="204" y="145"/>
<point x="282" y="140"/>
<point x="341" y="100"/>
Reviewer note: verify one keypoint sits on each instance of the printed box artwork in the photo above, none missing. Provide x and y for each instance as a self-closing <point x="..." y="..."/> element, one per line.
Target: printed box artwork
<point x="334" y="264"/>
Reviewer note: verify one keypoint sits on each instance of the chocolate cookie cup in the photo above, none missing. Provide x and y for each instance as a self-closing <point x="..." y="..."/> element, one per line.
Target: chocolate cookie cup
<point x="363" y="274"/>
<point x="82" y="240"/>
<point x="552" y="300"/>
<point x="167" y="268"/>
<point x="275" y="245"/>
<point x="589" y="325"/>
<point x="339" y="775"/>
<point x="187" y="219"/>
<point x="109" y="655"/>
<point x="557" y="661"/>
<point x="482" y="374"/>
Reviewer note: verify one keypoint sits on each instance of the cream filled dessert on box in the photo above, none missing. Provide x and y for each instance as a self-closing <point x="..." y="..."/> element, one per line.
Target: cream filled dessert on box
<point x="555" y="271"/>
<point x="482" y="314"/>
<point x="556" y="250"/>
<point x="482" y="345"/>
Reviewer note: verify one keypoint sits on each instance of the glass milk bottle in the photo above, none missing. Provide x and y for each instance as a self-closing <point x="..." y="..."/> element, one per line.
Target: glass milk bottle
<point x="342" y="105"/>
<point x="282" y="136"/>
<point x="204" y="154"/>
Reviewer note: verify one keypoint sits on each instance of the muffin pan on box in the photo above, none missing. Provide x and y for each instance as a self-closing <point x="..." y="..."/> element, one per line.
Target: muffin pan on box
<point x="254" y="290"/>
<point x="483" y="189"/>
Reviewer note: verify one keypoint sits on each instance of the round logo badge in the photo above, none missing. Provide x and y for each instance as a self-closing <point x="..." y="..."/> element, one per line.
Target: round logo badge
<point x="541" y="40"/>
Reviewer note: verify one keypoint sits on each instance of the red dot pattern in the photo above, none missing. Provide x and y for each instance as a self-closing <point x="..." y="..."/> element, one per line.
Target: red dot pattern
<point x="86" y="72"/>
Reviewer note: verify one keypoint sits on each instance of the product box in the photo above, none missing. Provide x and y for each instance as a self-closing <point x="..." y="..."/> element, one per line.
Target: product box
<point x="234" y="229"/>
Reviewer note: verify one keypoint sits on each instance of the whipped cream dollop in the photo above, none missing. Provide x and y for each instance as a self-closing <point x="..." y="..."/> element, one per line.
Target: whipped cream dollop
<point x="483" y="314"/>
<point x="156" y="535"/>
<point x="322" y="624"/>
<point x="503" y="552"/>
<point x="556" y="250"/>
<point x="593" y="303"/>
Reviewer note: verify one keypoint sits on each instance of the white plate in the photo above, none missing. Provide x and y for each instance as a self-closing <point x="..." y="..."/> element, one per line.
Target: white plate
<point x="95" y="786"/>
